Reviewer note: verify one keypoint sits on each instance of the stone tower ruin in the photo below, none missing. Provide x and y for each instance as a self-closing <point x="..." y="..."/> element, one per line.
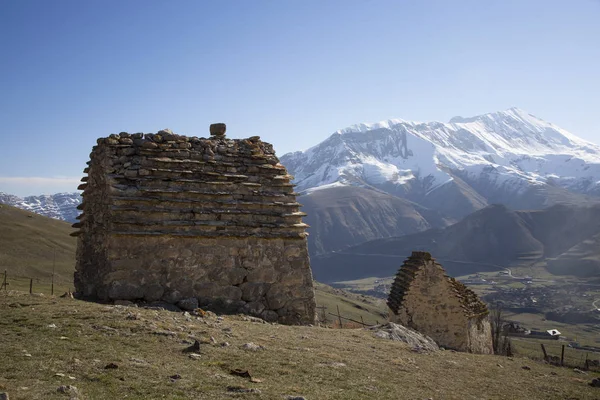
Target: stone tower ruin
<point x="174" y="218"/>
<point x="425" y="299"/>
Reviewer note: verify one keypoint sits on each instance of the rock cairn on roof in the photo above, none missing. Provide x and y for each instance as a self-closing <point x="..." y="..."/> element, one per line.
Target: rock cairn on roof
<point x="168" y="217"/>
<point x="424" y="298"/>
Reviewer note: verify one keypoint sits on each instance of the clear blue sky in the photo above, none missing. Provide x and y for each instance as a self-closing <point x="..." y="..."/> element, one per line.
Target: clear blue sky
<point x="290" y="71"/>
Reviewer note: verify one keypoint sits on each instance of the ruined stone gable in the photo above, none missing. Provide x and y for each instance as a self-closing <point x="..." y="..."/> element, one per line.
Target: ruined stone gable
<point x="171" y="218"/>
<point x="424" y="298"/>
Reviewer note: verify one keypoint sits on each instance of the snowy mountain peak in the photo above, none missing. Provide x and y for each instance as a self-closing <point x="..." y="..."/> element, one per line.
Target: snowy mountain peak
<point x="509" y="148"/>
<point x="513" y="112"/>
<point x="387" y="124"/>
<point x="59" y="206"/>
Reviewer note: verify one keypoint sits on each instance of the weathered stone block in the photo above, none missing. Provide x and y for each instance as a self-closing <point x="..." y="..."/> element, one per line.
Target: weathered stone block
<point x="277" y="296"/>
<point x="254" y="291"/>
<point x="236" y="276"/>
<point x="189" y="304"/>
<point x="172" y="296"/>
<point x="269" y="316"/>
<point x="253" y="308"/>
<point x="154" y="292"/>
<point x="125" y="290"/>
<point x="264" y="275"/>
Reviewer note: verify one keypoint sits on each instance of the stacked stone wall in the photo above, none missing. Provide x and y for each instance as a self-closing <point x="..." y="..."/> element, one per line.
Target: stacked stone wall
<point x="424" y="298"/>
<point x="168" y="217"/>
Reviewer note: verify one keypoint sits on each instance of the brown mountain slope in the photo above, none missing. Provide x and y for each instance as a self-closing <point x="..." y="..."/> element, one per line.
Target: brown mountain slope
<point x="344" y="216"/>
<point x="489" y="239"/>
<point x="582" y="259"/>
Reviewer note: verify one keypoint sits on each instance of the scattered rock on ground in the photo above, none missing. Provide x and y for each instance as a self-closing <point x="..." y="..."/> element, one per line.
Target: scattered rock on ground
<point x="161" y="305"/>
<point x="68" y="389"/>
<point x="252" y="347"/>
<point x="333" y="364"/>
<point x="4" y="396"/>
<point x="578" y="371"/>
<point x="253" y="319"/>
<point x="240" y="389"/>
<point x="295" y="398"/>
<point x="594" y="383"/>
<point x="526" y="368"/>
<point x="416" y="340"/>
<point x="193" y="348"/>
<point x="164" y="333"/>
<point x="111" y="366"/>
<point x="240" y="372"/>
<point x="195" y="356"/>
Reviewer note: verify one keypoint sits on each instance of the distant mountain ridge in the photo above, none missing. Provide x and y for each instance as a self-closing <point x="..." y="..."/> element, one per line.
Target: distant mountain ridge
<point x="509" y="157"/>
<point x="565" y="237"/>
<point x="61" y="206"/>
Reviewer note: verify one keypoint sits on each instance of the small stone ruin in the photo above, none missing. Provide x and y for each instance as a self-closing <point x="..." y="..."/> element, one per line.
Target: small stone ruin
<point x="427" y="300"/>
<point x="182" y="219"/>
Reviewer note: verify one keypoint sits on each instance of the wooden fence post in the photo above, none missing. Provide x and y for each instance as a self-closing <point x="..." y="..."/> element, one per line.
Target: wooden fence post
<point x="587" y="362"/>
<point x="4" y="283"/>
<point x="562" y="356"/>
<point x="30" y="286"/>
<point x="544" y="350"/>
<point x="53" y="268"/>
<point x="339" y="316"/>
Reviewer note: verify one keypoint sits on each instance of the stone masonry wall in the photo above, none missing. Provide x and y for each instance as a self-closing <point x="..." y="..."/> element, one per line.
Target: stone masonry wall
<point x="424" y="298"/>
<point x="168" y="217"/>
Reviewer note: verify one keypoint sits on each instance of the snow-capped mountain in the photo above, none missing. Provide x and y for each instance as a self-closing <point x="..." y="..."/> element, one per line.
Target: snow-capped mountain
<point x="509" y="157"/>
<point x="60" y="205"/>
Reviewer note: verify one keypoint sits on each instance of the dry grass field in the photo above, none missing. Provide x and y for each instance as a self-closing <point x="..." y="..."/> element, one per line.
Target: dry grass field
<point x="47" y="342"/>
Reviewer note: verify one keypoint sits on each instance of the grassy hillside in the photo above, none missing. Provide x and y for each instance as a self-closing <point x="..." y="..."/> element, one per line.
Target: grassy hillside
<point x="28" y="244"/>
<point x="48" y="342"/>
<point x="367" y="309"/>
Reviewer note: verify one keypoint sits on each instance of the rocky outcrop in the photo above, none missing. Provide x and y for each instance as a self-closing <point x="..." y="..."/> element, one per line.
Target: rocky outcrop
<point x="417" y="341"/>
<point x="168" y="218"/>
<point x="424" y="298"/>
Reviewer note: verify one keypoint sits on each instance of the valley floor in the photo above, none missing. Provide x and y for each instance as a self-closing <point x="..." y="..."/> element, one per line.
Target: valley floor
<point x="116" y="352"/>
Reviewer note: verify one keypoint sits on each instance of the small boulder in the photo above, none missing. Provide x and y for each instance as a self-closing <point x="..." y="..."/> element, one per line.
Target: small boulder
<point x="252" y="347"/>
<point x="416" y="340"/>
<point x="195" y="348"/>
<point x="218" y="129"/>
<point x="68" y="389"/>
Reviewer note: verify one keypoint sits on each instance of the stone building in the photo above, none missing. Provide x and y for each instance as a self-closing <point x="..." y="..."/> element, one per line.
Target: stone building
<point x="427" y="300"/>
<point x="173" y="218"/>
